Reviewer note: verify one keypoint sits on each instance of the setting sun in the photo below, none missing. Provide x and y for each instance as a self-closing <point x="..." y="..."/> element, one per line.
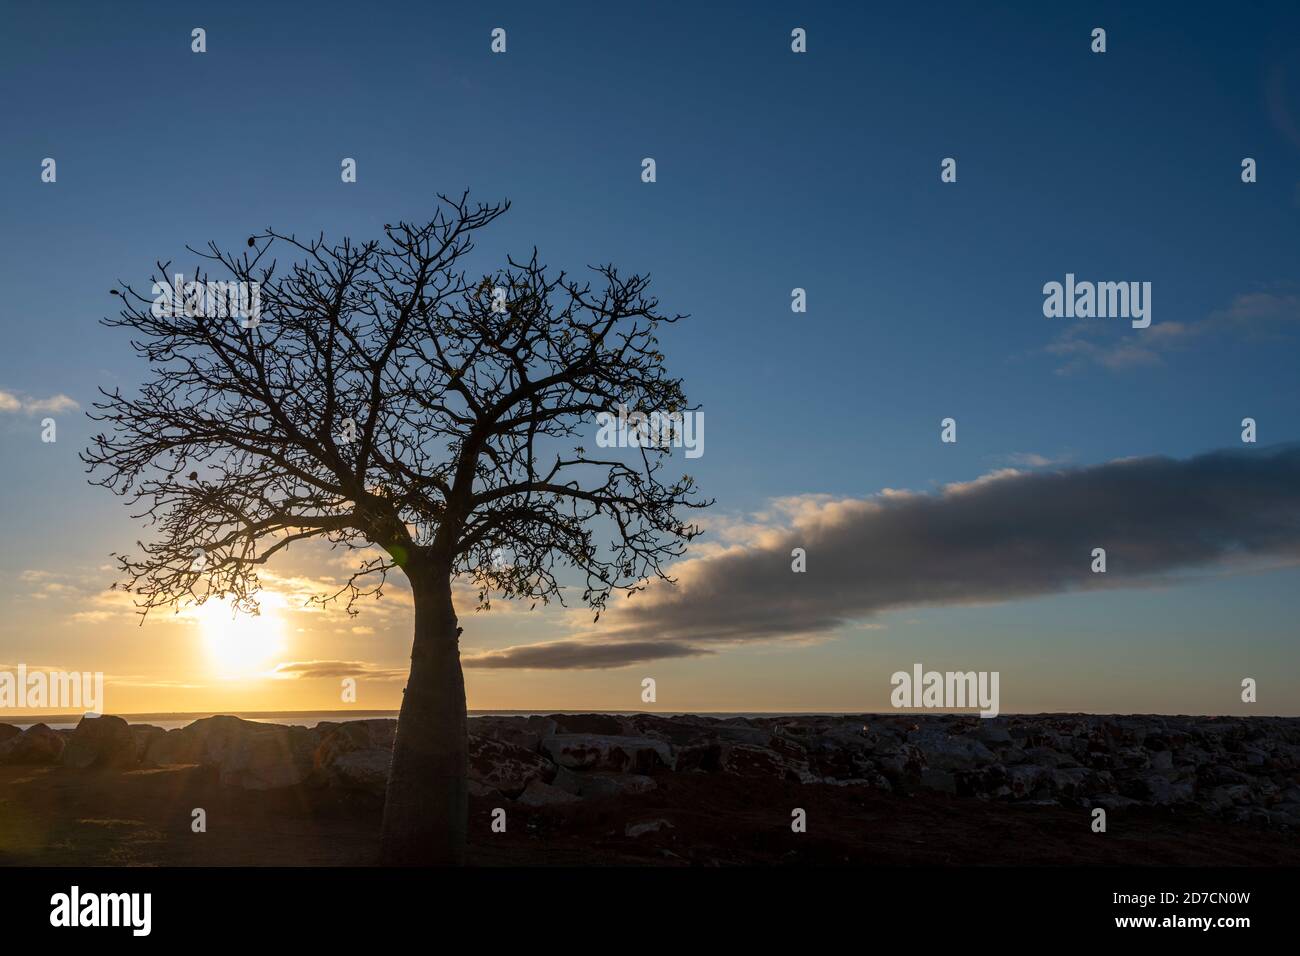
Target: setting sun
<point x="238" y="644"/>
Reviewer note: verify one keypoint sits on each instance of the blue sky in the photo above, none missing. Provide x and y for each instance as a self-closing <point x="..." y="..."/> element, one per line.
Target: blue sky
<point x="775" y="170"/>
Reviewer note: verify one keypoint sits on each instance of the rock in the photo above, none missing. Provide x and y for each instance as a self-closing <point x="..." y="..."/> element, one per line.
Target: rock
<point x="941" y="780"/>
<point x="992" y="734"/>
<point x="247" y="754"/>
<point x="569" y="781"/>
<point x="100" y="743"/>
<point x="1113" y="801"/>
<point x="144" y="735"/>
<point x="354" y="736"/>
<point x="539" y="794"/>
<point x="38" y="744"/>
<point x="477" y="789"/>
<point x="599" y="784"/>
<point x="903" y="765"/>
<point x="1221" y="798"/>
<point x="703" y="757"/>
<point x="835" y="760"/>
<point x="203" y="742"/>
<point x="365" y="770"/>
<point x="596" y="752"/>
<point x="601" y="725"/>
<point x="676" y="731"/>
<point x="525" y="732"/>
<point x="748" y="760"/>
<point x="741" y="734"/>
<point x="1073" y="782"/>
<point x="648" y="826"/>
<point x="1288" y="813"/>
<point x="1024" y="779"/>
<point x="1046" y="757"/>
<point x="1235" y="768"/>
<point x="506" y="767"/>
<point x="944" y="752"/>
<point x="1157" y="790"/>
<point x="1134" y="759"/>
<point x="172" y="747"/>
<point x="267" y="759"/>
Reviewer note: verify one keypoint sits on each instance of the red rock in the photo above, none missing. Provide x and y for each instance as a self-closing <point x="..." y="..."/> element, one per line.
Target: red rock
<point x="38" y="744"/>
<point x="505" y="767"/>
<point x="99" y="743"/>
<point x="595" y="752"/>
<point x="539" y="794"/>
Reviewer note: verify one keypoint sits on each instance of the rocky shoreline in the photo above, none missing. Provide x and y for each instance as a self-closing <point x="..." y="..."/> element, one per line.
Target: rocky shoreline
<point x="1233" y="769"/>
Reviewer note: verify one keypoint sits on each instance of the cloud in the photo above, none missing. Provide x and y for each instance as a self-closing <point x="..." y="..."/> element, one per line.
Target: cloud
<point x="1002" y="537"/>
<point x="1259" y="316"/>
<point x="306" y="670"/>
<point x="54" y="405"/>
<point x="559" y="655"/>
<point x="1029" y="459"/>
<point x="92" y="617"/>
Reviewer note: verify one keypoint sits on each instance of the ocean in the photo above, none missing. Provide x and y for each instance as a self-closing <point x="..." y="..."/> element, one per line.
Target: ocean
<point x="311" y="718"/>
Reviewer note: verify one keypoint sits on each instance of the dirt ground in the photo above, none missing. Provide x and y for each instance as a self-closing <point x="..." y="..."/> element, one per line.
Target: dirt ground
<point x="53" y="816"/>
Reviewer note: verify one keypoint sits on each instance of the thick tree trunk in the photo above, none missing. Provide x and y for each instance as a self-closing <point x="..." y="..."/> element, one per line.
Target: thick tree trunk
<point x="426" y="808"/>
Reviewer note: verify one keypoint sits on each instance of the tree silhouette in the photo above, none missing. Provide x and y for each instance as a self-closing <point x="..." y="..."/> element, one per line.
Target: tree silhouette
<point x="382" y="400"/>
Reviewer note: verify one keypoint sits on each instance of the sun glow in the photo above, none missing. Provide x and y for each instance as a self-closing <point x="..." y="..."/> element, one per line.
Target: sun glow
<point x="240" y="645"/>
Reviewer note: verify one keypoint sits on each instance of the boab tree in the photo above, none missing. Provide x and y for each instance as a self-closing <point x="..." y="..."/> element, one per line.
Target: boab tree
<point x="384" y="400"/>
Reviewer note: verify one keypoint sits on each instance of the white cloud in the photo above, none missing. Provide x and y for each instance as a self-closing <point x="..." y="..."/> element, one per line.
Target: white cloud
<point x="54" y="405"/>
<point x="1253" y="316"/>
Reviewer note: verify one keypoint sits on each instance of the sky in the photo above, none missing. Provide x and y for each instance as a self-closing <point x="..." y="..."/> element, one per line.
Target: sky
<point x="775" y="170"/>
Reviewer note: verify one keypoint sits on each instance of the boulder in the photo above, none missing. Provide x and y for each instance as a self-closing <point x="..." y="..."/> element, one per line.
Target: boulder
<point x="525" y="732"/>
<point x="100" y="743"/>
<point x="944" y="752"/>
<point x="365" y="770"/>
<point x="599" y="784"/>
<point x="506" y="767"/>
<point x="38" y="744"/>
<point x="338" y="739"/>
<point x="832" y="760"/>
<point x="570" y="781"/>
<point x="205" y="741"/>
<point x="1025" y="778"/>
<point x="539" y="794"/>
<point x="247" y="754"/>
<point x="477" y="789"/>
<point x="943" y="781"/>
<point x="704" y="757"/>
<point x="598" y="752"/>
<point x="266" y="759"/>
<point x="748" y="760"/>
<point x="144" y="736"/>
<point x="1073" y="782"/>
<point x="678" y="732"/>
<point x="1155" y="789"/>
<point x="992" y="734"/>
<point x="603" y="725"/>
<point x="647" y="826"/>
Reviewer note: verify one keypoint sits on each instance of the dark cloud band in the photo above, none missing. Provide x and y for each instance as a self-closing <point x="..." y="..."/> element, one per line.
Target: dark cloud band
<point x="1006" y="536"/>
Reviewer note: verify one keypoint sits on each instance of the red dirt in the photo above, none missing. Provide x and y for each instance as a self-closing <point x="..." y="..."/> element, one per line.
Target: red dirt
<point x="55" y="817"/>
